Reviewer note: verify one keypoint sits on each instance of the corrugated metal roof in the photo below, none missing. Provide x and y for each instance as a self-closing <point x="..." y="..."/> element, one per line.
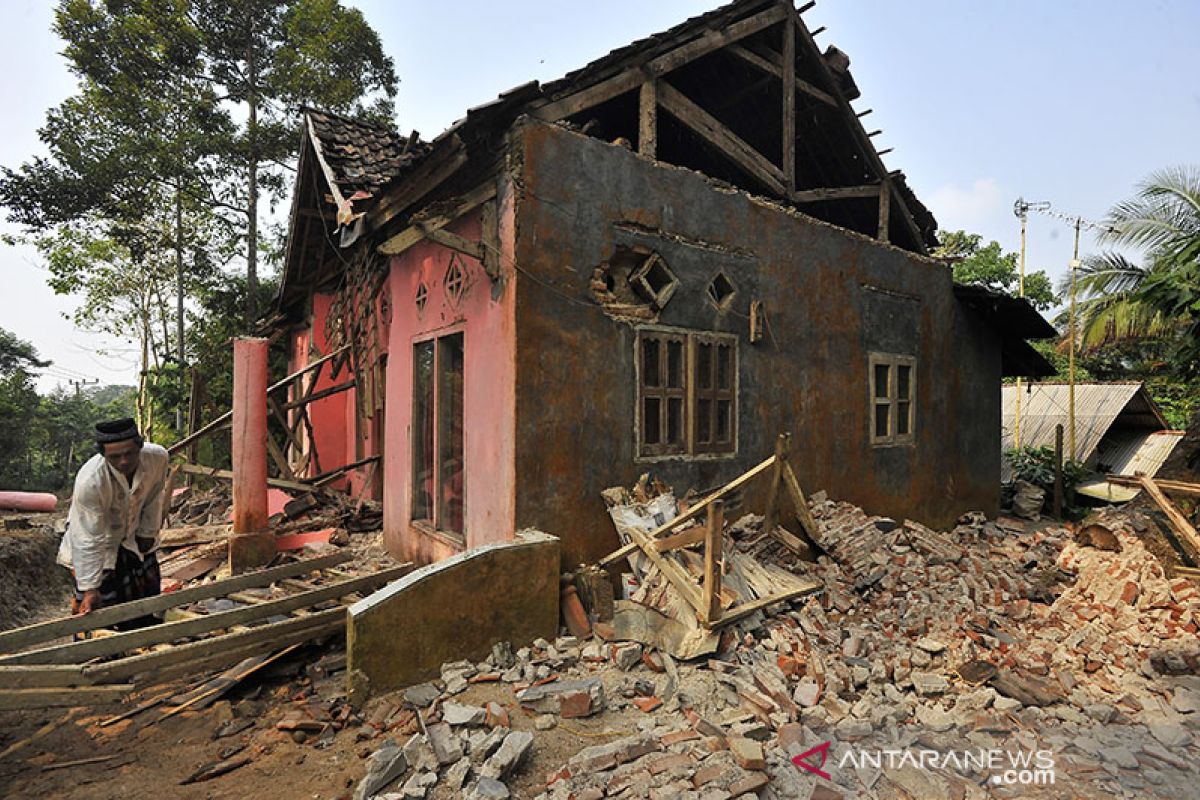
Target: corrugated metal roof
<point x="1045" y="405"/>
<point x="1131" y="452"/>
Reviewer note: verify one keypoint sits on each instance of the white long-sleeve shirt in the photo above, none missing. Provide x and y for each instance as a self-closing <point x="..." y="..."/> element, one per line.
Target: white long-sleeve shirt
<point x="108" y="514"/>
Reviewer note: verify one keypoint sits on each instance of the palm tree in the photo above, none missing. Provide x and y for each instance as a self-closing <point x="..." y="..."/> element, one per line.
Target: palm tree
<point x="1159" y="298"/>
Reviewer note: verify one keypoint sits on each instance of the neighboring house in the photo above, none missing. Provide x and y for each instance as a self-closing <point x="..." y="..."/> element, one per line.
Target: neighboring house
<point x="1118" y="430"/>
<point x="657" y="263"/>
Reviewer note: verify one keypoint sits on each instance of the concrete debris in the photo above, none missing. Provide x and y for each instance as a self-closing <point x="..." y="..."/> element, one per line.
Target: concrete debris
<point x="385" y="765"/>
<point x="508" y="756"/>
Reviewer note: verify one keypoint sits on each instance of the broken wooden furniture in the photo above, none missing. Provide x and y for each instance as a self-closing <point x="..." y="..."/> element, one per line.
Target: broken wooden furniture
<point x="706" y="597"/>
<point x="277" y="609"/>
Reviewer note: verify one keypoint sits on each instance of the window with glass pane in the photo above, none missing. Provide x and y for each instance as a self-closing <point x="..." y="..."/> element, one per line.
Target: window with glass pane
<point x="892" y="393"/>
<point x="438" y="465"/>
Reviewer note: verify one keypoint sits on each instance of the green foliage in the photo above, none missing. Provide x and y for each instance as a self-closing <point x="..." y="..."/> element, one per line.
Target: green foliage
<point x="1036" y="465"/>
<point x="989" y="266"/>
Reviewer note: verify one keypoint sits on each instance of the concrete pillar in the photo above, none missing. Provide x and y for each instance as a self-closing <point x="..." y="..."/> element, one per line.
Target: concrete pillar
<point x="249" y="435"/>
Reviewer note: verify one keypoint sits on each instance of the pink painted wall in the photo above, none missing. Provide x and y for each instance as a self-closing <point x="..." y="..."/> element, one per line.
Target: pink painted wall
<point x="486" y="317"/>
<point x="332" y="417"/>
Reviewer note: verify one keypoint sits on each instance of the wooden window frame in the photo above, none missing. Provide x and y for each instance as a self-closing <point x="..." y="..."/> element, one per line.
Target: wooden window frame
<point x="891" y="399"/>
<point x="690" y="445"/>
<point x="435" y="524"/>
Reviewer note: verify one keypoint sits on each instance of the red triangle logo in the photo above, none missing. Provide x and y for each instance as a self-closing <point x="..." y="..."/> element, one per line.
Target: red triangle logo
<point x="801" y="760"/>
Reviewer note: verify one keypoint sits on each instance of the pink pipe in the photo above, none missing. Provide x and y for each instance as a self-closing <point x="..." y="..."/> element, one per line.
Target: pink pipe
<point x="249" y="435"/>
<point x="28" y="501"/>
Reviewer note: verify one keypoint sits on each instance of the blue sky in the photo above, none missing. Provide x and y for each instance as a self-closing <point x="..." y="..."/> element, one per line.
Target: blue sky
<point x="1061" y="100"/>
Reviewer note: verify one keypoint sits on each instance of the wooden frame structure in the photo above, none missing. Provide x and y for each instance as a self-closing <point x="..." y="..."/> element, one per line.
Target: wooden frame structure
<point x="705" y="598"/>
<point x="67" y="674"/>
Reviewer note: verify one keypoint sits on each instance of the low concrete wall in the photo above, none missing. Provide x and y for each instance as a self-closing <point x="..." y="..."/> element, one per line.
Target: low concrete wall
<point x="451" y="610"/>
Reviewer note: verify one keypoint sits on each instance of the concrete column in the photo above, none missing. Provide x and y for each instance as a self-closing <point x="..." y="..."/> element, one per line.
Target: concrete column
<point x="249" y="435"/>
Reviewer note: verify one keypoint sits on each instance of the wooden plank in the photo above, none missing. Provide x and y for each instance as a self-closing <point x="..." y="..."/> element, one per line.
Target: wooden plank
<point x="314" y="396"/>
<point x="224" y="474"/>
<point x="490" y="238"/>
<point x="677" y="540"/>
<point x="328" y="477"/>
<point x="228" y="415"/>
<point x="65" y="626"/>
<point x="632" y="77"/>
<point x="42" y="675"/>
<point x="230" y="678"/>
<point x="231" y="645"/>
<point x="740" y="612"/>
<point x="771" y="517"/>
<point x="453" y="241"/>
<point x="670" y="570"/>
<point x="789" y="107"/>
<point x="192" y="534"/>
<point x="714" y="559"/>
<point x="423" y="223"/>
<point x="280" y="460"/>
<point x="79" y="762"/>
<point x="1174" y="487"/>
<point x="428" y="175"/>
<point x="78" y="652"/>
<point x="885" y="209"/>
<point x="63" y="697"/>
<point x="692" y="512"/>
<point x="802" y="513"/>
<point x="1178" y="521"/>
<point x="835" y="193"/>
<point x="725" y="140"/>
<point x="648" y="119"/>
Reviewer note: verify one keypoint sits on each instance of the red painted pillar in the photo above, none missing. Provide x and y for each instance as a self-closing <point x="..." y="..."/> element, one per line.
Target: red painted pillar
<point x="249" y="435"/>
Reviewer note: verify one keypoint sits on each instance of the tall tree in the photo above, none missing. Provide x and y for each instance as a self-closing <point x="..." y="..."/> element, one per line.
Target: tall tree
<point x="1158" y="298"/>
<point x="987" y="265"/>
<point x="273" y="56"/>
<point x="18" y="407"/>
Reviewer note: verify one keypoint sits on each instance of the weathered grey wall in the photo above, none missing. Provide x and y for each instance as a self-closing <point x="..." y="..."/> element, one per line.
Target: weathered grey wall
<point x="831" y="297"/>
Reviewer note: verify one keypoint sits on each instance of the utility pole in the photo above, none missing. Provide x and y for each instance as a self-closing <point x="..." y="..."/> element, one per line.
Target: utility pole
<point x="1022" y="208"/>
<point x="1078" y="223"/>
<point x="81" y="383"/>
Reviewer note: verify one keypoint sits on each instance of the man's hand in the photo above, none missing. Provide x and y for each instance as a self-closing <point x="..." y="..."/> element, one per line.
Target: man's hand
<point x="90" y="601"/>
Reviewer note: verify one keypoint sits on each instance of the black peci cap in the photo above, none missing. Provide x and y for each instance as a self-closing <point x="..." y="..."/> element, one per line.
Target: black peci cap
<point x="116" y="430"/>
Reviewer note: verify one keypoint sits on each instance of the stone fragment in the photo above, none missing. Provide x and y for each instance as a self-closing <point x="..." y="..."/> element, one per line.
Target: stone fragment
<point x="567" y="698"/>
<point x="488" y="789"/>
<point x="750" y="783"/>
<point x="420" y="753"/>
<point x="626" y="655"/>
<point x="487" y="744"/>
<point x="457" y="775"/>
<point x="386" y="764"/>
<point x="1120" y="756"/>
<point x="447" y="747"/>
<point x="928" y="683"/>
<point x="508" y="756"/>
<point x="422" y="695"/>
<point x="1169" y="733"/>
<point x="545" y="722"/>
<point x="807" y="693"/>
<point x="931" y="646"/>
<point x="459" y="714"/>
<point x="749" y="753"/>
<point x="935" y="718"/>
<point x="496" y="716"/>
<point x="1185" y="700"/>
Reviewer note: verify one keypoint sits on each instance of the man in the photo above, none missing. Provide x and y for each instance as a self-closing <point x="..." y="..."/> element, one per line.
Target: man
<point x="111" y="543"/>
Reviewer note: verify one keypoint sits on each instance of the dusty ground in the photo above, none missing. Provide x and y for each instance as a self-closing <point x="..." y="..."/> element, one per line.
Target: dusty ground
<point x="33" y="586"/>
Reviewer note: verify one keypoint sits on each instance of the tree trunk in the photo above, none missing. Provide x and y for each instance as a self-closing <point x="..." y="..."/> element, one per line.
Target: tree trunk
<point x="182" y="351"/>
<point x="252" y="194"/>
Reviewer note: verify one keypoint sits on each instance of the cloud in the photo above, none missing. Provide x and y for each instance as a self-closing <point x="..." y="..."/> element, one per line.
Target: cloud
<point x="966" y="207"/>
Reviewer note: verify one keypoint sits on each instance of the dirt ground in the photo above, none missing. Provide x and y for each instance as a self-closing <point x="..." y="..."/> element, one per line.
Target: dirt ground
<point x="150" y="758"/>
<point x="33" y="587"/>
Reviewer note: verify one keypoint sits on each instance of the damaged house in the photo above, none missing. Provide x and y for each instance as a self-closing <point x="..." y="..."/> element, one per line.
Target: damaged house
<point x="657" y="263"/>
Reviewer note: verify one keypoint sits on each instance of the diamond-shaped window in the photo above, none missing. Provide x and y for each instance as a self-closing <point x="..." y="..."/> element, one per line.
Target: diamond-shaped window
<point x="721" y="290"/>
<point x="422" y="297"/>
<point x="456" y="280"/>
<point x="654" y="280"/>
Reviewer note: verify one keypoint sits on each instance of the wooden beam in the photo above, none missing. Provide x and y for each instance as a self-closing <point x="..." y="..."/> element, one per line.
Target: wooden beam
<point x="429" y="174"/>
<point x="422" y="224"/>
<point x="62" y="697"/>
<point x="634" y="76"/>
<point x="104" y="617"/>
<point x="648" y="119"/>
<point x="185" y="441"/>
<point x="224" y="474"/>
<point x="281" y="463"/>
<point x="490" y="239"/>
<point x="885" y="209"/>
<point x="740" y="612"/>
<point x="1178" y="521"/>
<point x="789" y="107"/>
<point x="222" y="649"/>
<point x="835" y="193"/>
<point x="771" y="516"/>
<point x="41" y="676"/>
<point x="193" y="534"/>
<point x="672" y="571"/>
<point x="797" y="494"/>
<point x="755" y="60"/>
<point x="714" y="559"/>
<point x="692" y="512"/>
<point x="675" y="541"/>
<point x="453" y="241"/>
<point x="725" y="140"/>
<point x="1175" y="487"/>
<point x="314" y="396"/>
<point x="78" y="652"/>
